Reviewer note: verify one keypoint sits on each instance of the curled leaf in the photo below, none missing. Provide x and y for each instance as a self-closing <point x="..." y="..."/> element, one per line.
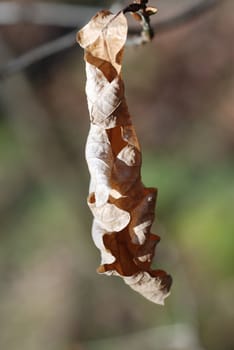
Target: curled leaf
<point x="122" y="207"/>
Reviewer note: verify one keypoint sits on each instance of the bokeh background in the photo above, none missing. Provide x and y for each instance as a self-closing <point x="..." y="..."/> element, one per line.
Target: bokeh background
<point x="180" y="91"/>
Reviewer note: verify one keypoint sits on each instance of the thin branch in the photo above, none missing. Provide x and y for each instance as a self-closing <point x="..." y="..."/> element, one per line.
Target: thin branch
<point x="52" y="47"/>
<point x="42" y="13"/>
<point x="68" y="40"/>
<point x="184" y="17"/>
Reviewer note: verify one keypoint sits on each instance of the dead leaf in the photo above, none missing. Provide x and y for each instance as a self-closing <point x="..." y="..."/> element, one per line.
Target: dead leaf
<point x="122" y="207"/>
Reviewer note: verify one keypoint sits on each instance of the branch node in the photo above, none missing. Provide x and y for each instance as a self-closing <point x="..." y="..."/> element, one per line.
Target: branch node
<point x="141" y="12"/>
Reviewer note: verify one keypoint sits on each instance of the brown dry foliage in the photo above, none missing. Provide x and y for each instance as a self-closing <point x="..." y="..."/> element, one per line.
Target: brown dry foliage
<point x="122" y="207"/>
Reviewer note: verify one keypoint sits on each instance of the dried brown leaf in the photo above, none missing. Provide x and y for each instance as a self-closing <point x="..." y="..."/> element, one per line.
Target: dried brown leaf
<point x="122" y="207"/>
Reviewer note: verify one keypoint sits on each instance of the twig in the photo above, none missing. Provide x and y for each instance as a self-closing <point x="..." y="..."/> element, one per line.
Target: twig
<point x="69" y="16"/>
<point x="184" y="17"/>
<point x="68" y="40"/>
<point x="37" y="54"/>
<point x="35" y="133"/>
<point x="142" y="13"/>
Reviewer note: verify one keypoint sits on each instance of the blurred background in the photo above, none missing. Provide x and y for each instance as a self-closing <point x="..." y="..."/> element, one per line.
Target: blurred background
<point x="180" y="92"/>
